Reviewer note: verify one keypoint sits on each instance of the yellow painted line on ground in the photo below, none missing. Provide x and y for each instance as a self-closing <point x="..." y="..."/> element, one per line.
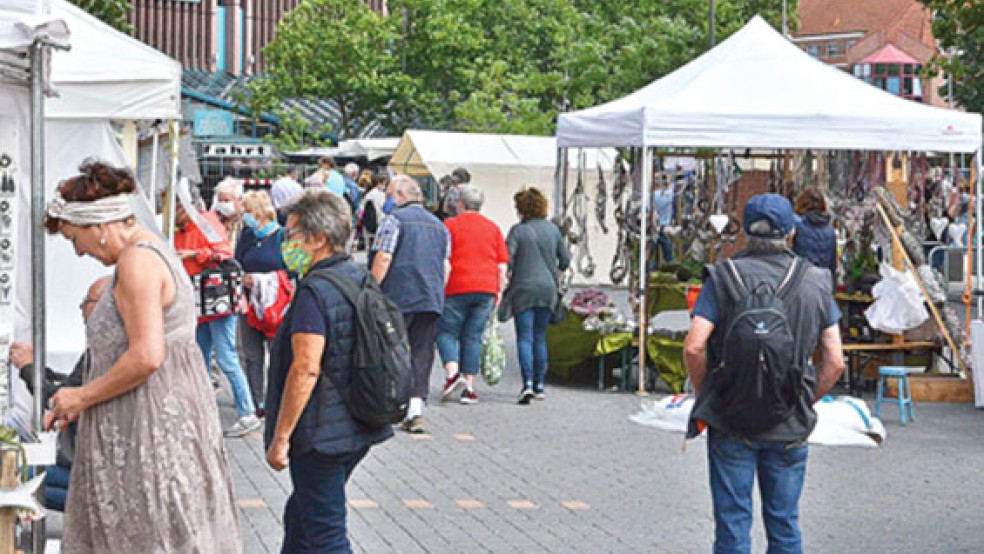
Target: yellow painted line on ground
<point x="417" y="504"/>
<point x="251" y="503"/>
<point x="421" y="437"/>
<point x="469" y="504"/>
<point x="576" y="505"/>
<point x="522" y="505"/>
<point x="363" y="504"/>
<point x="462" y="437"/>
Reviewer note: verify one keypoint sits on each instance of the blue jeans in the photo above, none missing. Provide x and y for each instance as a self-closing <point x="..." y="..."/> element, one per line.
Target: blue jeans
<point x="459" y="331"/>
<point x="531" y="345"/>
<point x="781" y="469"/>
<point x="314" y="518"/>
<point x="220" y="334"/>
<point x="56" y="487"/>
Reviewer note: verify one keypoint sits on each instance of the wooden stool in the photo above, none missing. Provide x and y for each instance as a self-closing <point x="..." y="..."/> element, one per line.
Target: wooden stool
<point x="901" y="374"/>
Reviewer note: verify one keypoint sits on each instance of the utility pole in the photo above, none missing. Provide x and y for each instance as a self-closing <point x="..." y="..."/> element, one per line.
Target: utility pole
<point x="710" y="25"/>
<point x="785" y="21"/>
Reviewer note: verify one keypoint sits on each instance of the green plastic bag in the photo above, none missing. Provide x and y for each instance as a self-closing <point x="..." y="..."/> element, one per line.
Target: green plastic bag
<point x="493" y="360"/>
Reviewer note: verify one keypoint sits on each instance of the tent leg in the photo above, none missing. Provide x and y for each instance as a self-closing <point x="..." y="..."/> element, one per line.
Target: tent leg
<point x="174" y="130"/>
<point x="647" y="174"/>
<point x="979" y="188"/>
<point x="559" y="175"/>
<point x="38" y="53"/>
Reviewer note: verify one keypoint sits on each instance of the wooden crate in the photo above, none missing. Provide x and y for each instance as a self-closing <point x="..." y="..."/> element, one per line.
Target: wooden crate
<point x="935" y="388"/>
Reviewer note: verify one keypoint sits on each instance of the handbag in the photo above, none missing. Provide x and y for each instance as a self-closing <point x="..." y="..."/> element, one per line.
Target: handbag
<point x="493" y="357"/>
<point x="219" y="289"/>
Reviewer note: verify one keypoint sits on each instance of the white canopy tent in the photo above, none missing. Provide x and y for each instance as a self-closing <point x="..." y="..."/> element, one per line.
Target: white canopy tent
<point x="106" y="76"/>
<point x="501" y="165"/>
<point x="758" y="90"/>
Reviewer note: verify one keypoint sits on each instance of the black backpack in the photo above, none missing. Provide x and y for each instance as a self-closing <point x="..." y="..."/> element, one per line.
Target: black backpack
<point x="379" y="393"/>
<point x="369" y="219"/>
<point x="758" y="379"/>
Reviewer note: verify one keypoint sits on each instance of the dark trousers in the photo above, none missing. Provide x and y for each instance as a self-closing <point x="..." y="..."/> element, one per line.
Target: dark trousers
<point x="314" y="518"/>
<point x="421" y="332"/>
<point x="253" y="348"/>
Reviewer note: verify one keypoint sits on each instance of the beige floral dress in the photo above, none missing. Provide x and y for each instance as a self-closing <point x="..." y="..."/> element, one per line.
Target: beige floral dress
<point x="150" y="472"/>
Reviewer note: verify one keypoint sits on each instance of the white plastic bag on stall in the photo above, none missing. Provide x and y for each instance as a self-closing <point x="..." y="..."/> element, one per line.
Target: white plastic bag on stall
<point x="898" y="304"/>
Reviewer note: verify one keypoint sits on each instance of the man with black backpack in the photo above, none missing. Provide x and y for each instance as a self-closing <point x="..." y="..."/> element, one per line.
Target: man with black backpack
<point x="755" y="326"/>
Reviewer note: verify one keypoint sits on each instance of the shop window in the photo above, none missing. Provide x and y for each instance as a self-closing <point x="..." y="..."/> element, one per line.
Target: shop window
<point x="899" y="79"/>
<point x="813" y="50"/>
<point x="834" y="49"/>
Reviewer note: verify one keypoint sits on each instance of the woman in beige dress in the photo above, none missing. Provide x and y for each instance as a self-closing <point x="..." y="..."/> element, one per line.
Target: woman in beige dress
<point x="150" y="472"/>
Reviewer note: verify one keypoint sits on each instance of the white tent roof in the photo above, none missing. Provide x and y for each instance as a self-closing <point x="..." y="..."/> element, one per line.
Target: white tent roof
<point x="139" y="83"/>
<point x="756" y="89"/>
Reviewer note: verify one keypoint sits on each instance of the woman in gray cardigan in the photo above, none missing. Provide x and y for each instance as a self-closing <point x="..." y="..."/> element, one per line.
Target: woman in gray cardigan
<point x="537" y="252"/>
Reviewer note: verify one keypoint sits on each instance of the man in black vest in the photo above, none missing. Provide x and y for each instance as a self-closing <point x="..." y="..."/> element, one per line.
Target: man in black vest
<point x="777" y="455"/>
<point x="410" y="259"/>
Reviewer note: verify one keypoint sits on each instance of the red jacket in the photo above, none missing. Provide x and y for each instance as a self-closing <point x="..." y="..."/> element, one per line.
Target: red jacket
<point x="206" y="253"/>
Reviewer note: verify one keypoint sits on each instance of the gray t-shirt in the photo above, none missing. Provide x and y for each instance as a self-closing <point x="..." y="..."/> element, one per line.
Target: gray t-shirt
<point x="536" y="252"/>
<point x="810" y="311"/>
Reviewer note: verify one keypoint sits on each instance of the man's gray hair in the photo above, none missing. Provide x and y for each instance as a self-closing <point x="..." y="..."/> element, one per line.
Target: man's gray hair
<point x="766" y="245"/>
<point x="323" y="213"/>
<point x="408" y="187"/>
<point x="472" y="197"/>
<point x="351" y="169"/>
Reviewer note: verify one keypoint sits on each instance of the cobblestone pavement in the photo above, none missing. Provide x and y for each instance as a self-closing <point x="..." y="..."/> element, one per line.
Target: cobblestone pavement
<point x="572" y="474"/>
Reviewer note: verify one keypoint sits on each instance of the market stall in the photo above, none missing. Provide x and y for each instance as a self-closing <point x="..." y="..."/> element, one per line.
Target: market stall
<point x="756" y="90"/>
<point x="65" y="79"/>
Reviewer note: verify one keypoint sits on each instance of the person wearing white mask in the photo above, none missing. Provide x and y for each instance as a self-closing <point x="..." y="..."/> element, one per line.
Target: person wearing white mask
<point x="227" y="203"/>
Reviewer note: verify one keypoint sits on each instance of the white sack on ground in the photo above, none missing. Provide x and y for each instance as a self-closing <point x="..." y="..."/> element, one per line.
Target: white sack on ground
<point x="841" y="421"/>
<point x="898" y="304"/>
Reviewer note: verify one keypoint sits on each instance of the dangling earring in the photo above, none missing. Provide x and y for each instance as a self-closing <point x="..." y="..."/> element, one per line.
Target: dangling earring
<point x="102" y="238"/>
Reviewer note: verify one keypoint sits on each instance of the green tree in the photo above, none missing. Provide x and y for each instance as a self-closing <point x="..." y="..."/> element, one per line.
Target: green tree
<point x="958" y="25"/>
<point x="339" y="50"/>
<point x="113" y="12"/>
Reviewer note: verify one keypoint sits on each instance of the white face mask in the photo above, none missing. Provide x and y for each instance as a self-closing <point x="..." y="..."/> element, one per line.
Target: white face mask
<point x="225" y="209"/>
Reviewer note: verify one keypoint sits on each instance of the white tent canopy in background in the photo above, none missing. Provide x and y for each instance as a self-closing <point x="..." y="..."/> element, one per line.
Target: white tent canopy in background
<point x="106" y="76"/>
<point x="758" y="90"/>
<point x="501" y="165"/>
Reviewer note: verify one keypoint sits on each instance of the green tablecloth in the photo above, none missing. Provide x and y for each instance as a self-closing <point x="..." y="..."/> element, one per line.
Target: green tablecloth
<point x="569" y="345"/>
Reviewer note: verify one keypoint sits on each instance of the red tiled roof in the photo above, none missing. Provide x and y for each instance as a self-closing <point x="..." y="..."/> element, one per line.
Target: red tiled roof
<point x="889" y="54"/>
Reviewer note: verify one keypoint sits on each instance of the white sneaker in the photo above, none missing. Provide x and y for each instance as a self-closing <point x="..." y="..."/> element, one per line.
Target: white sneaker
<point x="244" y="426"/>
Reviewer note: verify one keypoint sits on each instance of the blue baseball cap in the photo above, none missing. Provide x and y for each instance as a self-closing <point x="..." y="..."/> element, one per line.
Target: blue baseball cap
<point x="774" y="209"/>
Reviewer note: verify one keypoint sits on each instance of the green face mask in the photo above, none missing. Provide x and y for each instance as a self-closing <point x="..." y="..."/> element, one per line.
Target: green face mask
<point x="295" y="259"/>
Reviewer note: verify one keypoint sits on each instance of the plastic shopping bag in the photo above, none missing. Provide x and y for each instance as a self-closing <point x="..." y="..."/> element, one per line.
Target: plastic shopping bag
<point x="493" y="360"/>
<point x="898" y="302"/>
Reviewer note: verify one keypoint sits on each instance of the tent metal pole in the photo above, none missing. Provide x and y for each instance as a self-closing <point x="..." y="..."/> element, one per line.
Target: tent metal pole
<point x="647" y="173"/>
<point x="174" y="130"/>
<point x="38" y="51"/>
<point x="155" y="145"/>
<point x="558" y="175"/>
<point x="979" y="167"/>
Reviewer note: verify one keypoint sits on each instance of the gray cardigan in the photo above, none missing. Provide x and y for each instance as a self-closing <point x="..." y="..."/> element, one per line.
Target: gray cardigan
<point x="532" y="283"/>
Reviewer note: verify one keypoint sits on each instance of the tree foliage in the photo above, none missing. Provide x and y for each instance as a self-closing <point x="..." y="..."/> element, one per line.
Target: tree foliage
<point x="505" y="66"/>
<point x="113" y="12"/>
<point x="958" y="25"/>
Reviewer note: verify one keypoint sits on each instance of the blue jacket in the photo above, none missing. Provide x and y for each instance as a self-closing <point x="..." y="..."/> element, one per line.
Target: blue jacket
<point x="816" y="241"/>
<point x="415" y="280"/>
<point x="325" y="425"/>
<point x="259" y="255"/>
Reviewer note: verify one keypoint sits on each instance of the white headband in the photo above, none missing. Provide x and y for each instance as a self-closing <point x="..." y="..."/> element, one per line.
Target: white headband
<point x="104" y="210"/>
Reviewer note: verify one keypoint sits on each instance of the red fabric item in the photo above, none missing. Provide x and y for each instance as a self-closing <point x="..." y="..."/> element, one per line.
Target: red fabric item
<point x="206" y="254"/>
<point x="477" y="249"/>
<point x="273" y="314"/>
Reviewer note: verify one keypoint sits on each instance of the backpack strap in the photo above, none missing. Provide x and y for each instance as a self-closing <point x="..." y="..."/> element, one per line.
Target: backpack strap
<point x="728" y="279"/>
<point x="348" y="287"/>
<point x="794" y="276"/>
